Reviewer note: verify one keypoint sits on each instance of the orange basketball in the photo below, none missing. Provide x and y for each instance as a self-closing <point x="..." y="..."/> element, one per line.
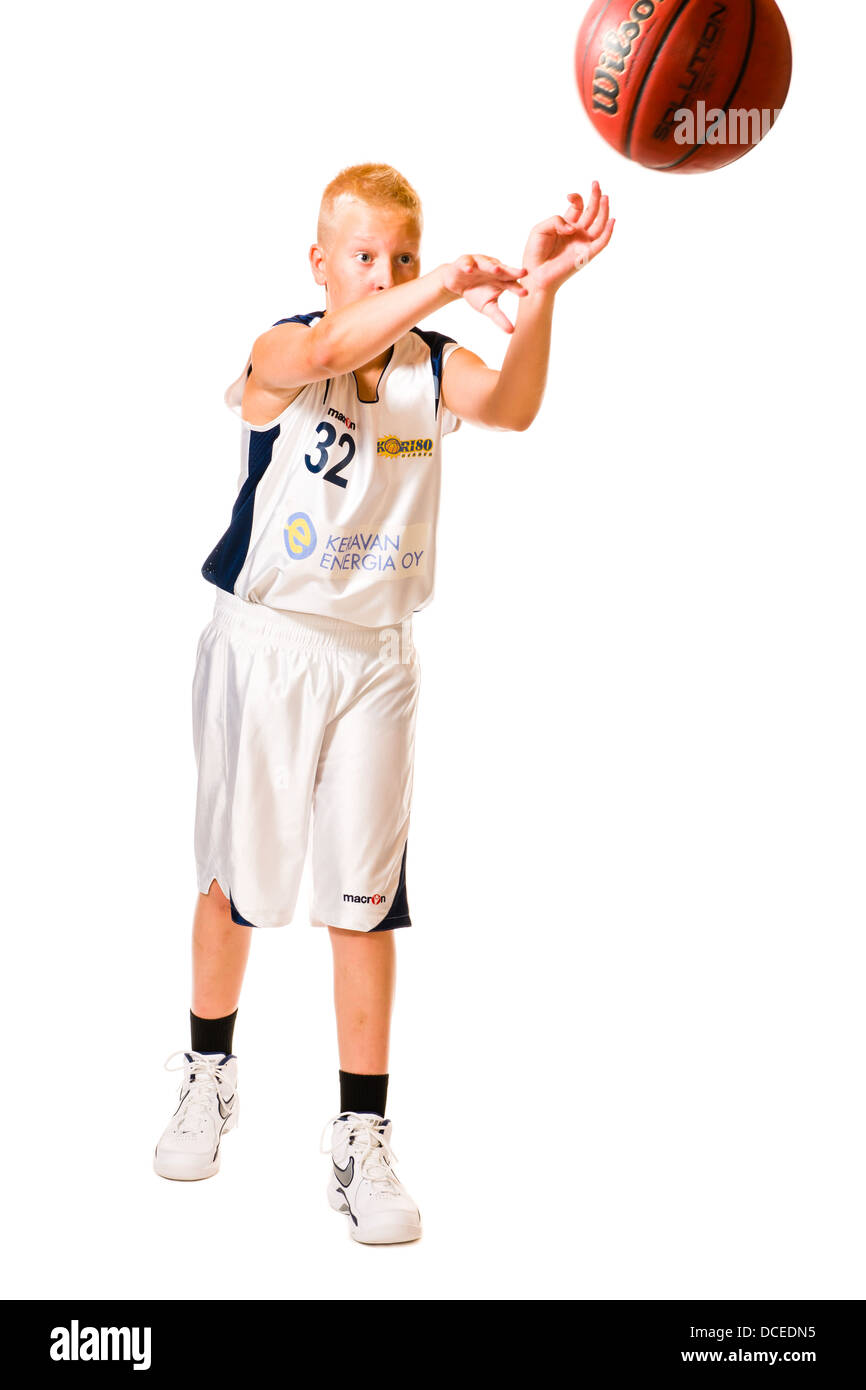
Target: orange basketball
<point x="683" y="85"/>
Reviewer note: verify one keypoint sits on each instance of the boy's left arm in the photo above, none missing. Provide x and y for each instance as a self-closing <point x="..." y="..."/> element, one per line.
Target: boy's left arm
<point x="510" y="398"/>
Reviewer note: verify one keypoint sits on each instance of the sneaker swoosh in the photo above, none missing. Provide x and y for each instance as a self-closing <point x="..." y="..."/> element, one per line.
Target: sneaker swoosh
<point x="224" y="1113"/>
<point x="344" y="1175"/>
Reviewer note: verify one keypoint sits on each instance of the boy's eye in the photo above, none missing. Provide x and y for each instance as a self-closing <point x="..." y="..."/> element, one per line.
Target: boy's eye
<point x="365" y="257"/>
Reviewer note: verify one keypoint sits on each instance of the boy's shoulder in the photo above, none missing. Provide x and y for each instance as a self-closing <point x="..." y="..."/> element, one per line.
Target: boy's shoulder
<point x="308" y="319"/>
<point x="433" y="342"/>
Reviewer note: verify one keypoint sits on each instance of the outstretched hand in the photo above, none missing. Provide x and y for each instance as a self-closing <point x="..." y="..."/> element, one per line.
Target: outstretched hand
<point x="561" y="246"/>
<point x="481" y="280"/>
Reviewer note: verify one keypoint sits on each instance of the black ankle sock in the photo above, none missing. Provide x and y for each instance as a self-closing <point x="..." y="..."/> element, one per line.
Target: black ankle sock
<point x="212" y="1034"/>
<point x="364" y="1094"/>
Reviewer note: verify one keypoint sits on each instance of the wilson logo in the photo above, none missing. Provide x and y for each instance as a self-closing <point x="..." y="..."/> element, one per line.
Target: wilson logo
<point x="618" y="44"/>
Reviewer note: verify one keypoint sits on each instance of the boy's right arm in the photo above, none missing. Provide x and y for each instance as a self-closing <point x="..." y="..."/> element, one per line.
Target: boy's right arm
<point x="291" y="355"/>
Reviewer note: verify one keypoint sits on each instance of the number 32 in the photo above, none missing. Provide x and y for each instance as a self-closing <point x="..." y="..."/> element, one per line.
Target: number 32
<point x="326" y="441"/>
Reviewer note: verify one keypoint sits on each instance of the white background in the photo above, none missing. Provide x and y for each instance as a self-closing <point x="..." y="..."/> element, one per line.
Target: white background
<point x="627" y="1054"/>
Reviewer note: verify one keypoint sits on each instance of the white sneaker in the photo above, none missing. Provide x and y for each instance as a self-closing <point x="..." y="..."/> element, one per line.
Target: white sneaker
<point x="364" y="1184"/>
<point x="190" y="1145"/>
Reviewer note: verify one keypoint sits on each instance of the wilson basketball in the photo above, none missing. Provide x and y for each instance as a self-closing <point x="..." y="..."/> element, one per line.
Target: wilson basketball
<point x="683" y="85"/>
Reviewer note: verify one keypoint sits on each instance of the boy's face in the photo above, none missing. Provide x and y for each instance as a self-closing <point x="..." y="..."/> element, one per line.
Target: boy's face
<point x="370" y="249"/>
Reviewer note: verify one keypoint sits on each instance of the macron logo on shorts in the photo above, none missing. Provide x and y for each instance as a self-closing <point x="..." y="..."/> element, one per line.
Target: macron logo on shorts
<point x="374" y="898"/>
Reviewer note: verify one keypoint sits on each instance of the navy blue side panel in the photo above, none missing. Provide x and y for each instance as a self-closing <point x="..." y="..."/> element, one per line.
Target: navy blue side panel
<point x="398" y="913"/>
<point x="227" y="558"/>
<point x="302" y="318"/>
<point x="435" y="342"/>
<point x="236" y="916"/>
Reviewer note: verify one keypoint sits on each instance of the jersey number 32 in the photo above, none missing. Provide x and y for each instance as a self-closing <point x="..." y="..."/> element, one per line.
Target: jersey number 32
<point x="328" y="439"/>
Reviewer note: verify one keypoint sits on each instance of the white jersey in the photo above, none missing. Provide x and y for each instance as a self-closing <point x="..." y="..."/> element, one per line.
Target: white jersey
<point x="338" y="497"/>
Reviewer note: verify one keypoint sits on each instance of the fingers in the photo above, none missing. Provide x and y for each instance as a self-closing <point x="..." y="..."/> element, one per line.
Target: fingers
<point x="555" y="226"/>
<point x="506" y="278"/>
<point x="513" y="287"/>
<point x="493" y="311"/>
<point x="590" y="212"/>
<point x="587" y="217"/>
<point x="586" y="252"/>
<point x="600" y="221"/>
<point x="491" y="265"/>
<point x="573" y="214"/>
<point x="596" y="222"/>
<point x="605" y="237"/>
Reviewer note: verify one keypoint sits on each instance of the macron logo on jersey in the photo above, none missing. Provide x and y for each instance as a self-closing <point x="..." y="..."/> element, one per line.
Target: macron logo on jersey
<point x="338" y="415"/>
<point x="374" y="898"/>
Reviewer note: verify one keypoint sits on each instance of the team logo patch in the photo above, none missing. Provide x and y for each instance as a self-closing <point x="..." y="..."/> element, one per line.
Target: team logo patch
<point x="299" y="534"/>
<point x="404" y="448"/>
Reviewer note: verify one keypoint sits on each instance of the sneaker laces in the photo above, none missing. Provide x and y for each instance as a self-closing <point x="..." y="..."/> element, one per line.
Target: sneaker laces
<point x="205" y="1078"/>
<point x="369" y="1144"/>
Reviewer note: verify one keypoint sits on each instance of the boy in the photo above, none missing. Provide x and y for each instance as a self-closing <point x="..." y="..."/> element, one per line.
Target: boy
<point x="306" y="679"/>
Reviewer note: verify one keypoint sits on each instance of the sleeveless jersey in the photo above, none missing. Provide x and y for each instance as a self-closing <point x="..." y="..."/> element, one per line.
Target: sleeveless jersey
<point x="338" y="497"/>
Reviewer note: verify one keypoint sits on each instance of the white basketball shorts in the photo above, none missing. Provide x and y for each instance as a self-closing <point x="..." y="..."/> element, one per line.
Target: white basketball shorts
<point x="297" y="718"/>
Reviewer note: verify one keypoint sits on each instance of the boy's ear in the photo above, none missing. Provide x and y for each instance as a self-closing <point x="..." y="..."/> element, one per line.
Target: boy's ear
<point x="317" y="263"/>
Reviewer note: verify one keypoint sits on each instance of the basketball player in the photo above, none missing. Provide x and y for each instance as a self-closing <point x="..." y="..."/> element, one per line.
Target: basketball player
<point x="306" y="678"/>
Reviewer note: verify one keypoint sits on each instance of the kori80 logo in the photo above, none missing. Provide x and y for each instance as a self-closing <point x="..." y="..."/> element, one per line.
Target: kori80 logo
<point x="403" y="448"/>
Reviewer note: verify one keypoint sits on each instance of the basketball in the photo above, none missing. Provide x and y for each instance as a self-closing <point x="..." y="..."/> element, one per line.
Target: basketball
<point x="683" y="86"/>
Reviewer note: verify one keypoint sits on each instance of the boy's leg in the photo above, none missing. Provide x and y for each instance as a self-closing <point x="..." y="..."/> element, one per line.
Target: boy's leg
<point x="360" y="824"/>
<point x="364" y="975"/>
<point x="190" y="1144"/>
<point x="220" y="948"/>
<point x="363" y="1183"/>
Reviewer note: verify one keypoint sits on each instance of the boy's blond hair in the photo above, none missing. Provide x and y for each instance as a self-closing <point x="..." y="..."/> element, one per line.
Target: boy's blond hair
<point x="378" y="185"/>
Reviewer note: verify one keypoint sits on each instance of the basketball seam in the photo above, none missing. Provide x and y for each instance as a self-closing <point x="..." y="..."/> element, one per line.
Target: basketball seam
<point x="634" y="110"/>
<point x="677" y="164"/>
